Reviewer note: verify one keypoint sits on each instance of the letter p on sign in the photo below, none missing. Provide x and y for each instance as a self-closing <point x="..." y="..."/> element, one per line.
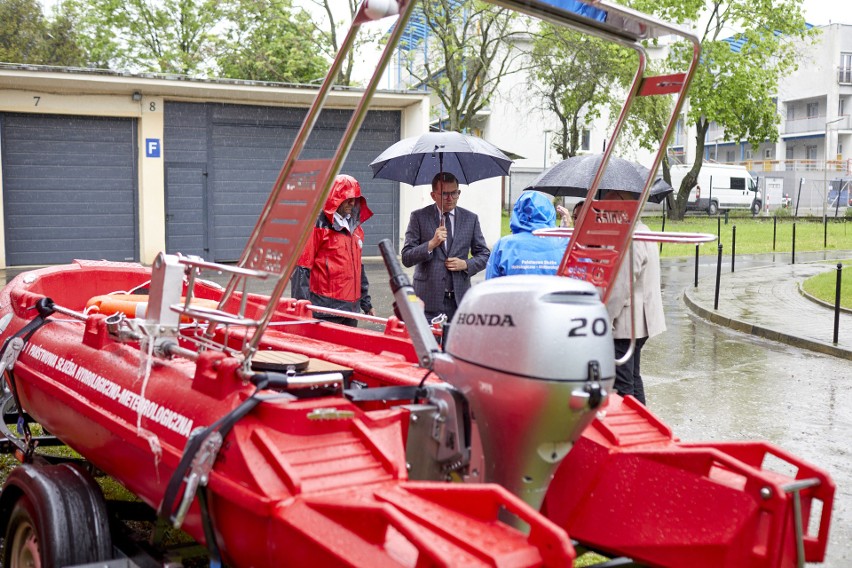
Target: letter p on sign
<point x="152" y="147"/>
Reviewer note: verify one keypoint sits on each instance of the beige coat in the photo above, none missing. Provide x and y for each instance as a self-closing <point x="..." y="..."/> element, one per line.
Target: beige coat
<point x="647" y="297"/>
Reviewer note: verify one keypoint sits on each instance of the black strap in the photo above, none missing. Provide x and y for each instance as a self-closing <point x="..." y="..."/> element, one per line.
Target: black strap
<point x="384" y="393"/>
<point x="209" y="533"/>
<point x="223" y="425"/>
<point x="45" y="308"/>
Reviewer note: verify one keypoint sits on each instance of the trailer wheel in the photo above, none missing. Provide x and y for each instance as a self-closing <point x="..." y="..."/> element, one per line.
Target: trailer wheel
<point x="713" y="208"/>
<point x="53" y="516"/>
<point x="21" y="547"/>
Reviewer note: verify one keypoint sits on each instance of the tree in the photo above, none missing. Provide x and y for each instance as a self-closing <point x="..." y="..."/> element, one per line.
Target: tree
<point x="27" y="37"/>
<point x="62" y="42"/>
<point x="338" y="18"/>
<point x="575" y="76"/>
<point x="466" y="54"/>
<point x="270" y="41"/>
<point x="738" y="76"/>
<point x="21" y="31"/>
<point x="166" y="36"/>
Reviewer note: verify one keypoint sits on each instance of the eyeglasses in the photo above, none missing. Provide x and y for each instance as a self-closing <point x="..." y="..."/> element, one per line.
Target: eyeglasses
<point x="451" y="194"/>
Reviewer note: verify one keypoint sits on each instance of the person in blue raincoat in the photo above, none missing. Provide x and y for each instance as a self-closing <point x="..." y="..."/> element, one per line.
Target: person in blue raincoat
<point x="522" y="252"/>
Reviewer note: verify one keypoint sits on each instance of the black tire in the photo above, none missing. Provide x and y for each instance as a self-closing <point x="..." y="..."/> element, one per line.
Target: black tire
<point x="755" y="208"/>
<point x="713" y="209"/>
<point x="22" y="544"/>
<point x="57" y="517"/>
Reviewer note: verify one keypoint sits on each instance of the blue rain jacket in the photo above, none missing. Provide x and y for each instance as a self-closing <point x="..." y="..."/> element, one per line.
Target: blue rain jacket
<point x="522" y="252"/>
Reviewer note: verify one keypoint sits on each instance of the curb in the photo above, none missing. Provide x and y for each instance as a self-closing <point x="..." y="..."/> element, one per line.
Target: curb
<point x="765" y="332"/>
<point x="822" y="303"/>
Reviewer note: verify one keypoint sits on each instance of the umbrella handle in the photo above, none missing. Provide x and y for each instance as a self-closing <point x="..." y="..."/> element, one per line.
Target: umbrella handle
<point x="441" y="179"/>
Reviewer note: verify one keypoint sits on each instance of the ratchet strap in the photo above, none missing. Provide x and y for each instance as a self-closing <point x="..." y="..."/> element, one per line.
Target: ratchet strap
<point x="9" y="354"/>
<point x="186" y="475"/>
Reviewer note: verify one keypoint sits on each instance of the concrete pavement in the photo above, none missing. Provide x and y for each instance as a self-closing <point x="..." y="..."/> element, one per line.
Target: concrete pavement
<point x="766" y="301"/>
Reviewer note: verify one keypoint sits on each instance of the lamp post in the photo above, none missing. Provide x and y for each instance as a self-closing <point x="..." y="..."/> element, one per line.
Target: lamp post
<point x="544" y="162"/>
<point x="825" y="170"/>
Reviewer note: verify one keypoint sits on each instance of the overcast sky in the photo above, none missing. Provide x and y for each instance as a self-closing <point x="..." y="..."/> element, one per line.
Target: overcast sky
<point x="820" y="12"/>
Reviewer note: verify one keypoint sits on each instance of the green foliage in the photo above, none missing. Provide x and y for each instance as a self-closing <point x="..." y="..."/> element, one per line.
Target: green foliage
<point x="735" y="89"/>
<point x="328" y="32"/>
<point x="262" y="40"/>
<point x="22" y="30"/>
<point x="271" y="41"/>
<point x="171" y="36"/>
<point x="469" y="53"/>
<point x="26" y="36"/>
<point x="576" y="76"/>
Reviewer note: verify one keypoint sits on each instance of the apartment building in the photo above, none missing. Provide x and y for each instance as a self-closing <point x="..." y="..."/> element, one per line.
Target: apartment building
<point x="814" y="105"/>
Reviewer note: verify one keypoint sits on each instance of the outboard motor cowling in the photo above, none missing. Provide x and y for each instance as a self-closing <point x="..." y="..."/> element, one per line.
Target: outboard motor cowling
<point x="534" y="356"/>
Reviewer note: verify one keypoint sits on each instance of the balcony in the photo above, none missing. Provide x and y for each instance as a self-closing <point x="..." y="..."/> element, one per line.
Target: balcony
<point x="814" y="124"/>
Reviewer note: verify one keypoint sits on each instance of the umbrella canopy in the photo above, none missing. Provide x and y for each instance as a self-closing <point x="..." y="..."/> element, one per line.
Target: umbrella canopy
<point x="573" y="177"/>
<point x="416" y="160"/>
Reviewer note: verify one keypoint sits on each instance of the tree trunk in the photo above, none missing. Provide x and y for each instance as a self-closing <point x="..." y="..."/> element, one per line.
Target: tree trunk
<point x="678" y="209"/>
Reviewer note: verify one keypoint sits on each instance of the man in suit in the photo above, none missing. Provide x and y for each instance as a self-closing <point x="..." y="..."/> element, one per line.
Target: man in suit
<point x="445" y="245"/>
<point x="647" y="302"/>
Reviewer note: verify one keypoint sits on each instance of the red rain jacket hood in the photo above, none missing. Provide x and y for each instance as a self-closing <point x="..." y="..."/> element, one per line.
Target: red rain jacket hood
<point x="346" y="187"/>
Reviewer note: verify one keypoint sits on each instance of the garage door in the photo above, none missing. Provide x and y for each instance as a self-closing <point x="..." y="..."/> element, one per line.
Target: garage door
<point x="69" y="188"/>
<point x="237" y="151"/>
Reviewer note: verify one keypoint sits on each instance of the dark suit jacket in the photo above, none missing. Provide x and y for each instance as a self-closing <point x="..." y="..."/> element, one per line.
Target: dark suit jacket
<point x="430" y="274"/>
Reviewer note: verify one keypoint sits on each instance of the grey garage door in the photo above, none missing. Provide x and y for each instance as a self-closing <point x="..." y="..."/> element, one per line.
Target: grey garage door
<point x="221" y="161"/>
<point x="69" y="188"/>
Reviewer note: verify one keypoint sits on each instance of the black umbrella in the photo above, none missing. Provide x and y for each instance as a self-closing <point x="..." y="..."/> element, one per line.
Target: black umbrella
<point x="418" y="159"/>
<point x="573" y="177"/>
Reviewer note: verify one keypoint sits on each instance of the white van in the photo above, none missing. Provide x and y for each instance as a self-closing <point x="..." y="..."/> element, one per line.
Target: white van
<point x="719" y="187"/>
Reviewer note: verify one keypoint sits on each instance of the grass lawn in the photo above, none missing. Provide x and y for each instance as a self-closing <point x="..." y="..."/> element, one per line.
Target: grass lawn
<point x="824" y="287"/>
<point x="753" y="235"/>
<point x="762" y="235"/>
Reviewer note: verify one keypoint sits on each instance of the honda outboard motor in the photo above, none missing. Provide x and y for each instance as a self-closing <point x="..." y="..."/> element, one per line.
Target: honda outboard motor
<point x="534" y="356"/>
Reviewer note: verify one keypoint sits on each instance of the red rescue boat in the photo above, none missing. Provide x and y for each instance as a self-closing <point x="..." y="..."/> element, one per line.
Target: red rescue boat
<point x="273" y="438"/>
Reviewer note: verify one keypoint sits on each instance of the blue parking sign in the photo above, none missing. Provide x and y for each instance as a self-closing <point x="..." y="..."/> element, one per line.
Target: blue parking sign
<point x="152" y="147"/>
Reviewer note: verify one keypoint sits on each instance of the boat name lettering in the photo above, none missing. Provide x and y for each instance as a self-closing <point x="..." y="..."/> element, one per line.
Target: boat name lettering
<point x="161" y="415"/>
<point x="42" y="355"/>
<point x="488" y="320"/>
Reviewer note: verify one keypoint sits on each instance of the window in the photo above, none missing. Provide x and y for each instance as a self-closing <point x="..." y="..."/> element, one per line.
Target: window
<point x="738" y="183"/>
<point x="810" y="152"/>
<point x="767" y="154"/>
<point x="844" y="72"/>
<point x="811" y="156"/>
<point x="813" y="110"/>
<point x="730" y="156"/>
<point x="585" y="139"/>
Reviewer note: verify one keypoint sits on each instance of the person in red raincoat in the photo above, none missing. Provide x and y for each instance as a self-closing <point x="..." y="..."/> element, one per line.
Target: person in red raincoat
<point x="329" y="271"/>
